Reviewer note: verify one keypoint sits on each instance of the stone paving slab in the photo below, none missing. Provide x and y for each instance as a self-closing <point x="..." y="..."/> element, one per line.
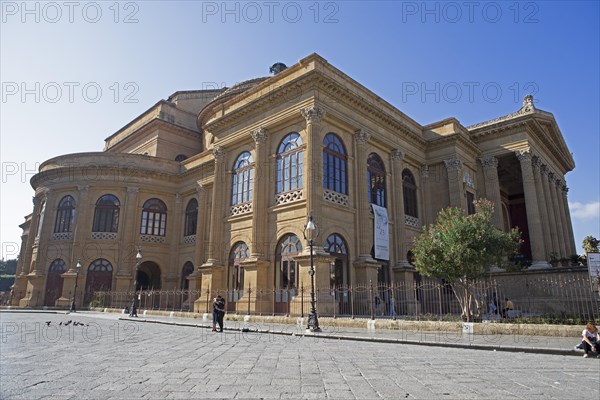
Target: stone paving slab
<point x="136" y="360"/>
<point x="493" y="341"/>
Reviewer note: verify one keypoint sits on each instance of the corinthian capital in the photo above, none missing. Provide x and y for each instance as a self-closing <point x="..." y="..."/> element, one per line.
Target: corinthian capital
<point x="453" y="164"/>
<point x="313" y="114"/>
<point x="524" y="155"/>
<point x="361" y="136"/>
<point x="259" y="135"/>
<point x="218" y="153"/>
<point x="397" y="155"/>
<point x="489" y="162"/>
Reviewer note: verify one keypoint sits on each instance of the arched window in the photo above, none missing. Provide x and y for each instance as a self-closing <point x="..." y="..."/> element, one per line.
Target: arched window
<point x="289" y="163"/>
<point x="235" y="276"/>
<point x="336" y="246"/>
<point x="334" y="164"/>
<point x="286" y="271"/>
<point x="106" y="214"/>
<point x="154" y="218"/>
<point x="243" y="179"/>
<point x="65" y="215"/>
<point x="376" y="171"/>
<point x="180" y="157"/>
<point x="187" y="270"/>
<point x="409" y="191"/>
<point x="54" y="282"/>
<point x="191" y="218"/>
<point x="98" y="279"/>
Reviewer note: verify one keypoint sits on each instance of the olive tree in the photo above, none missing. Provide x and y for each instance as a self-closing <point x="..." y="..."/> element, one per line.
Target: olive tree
<point x="461" y="248"/>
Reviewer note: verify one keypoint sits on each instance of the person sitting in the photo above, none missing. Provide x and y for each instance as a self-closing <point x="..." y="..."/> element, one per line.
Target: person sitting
<point x="590" y="339"/>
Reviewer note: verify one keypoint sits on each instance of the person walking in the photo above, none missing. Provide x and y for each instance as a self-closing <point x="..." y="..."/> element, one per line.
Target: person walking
<point x="218" y="313"/>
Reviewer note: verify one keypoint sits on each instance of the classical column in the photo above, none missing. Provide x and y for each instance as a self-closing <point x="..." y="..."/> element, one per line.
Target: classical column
<point x="44" y="234"/>
<point x="174" y="236"/>
<point x="542" y="205"/>
<point x="571" y="244"/>
<point x="365" y="267"/>
<point x="454" y="167"/>
<point x="128" y="230"/>
<point x="39" y="258"/>
<point x="313" y="181"/>
<point x="216" y="216"/>
<point x="556" y="200"/>
<point x="563" y="217"/>
<point x="364" y="227"/>
<point x="398" y="194"/>
<point x="82" y="226"/>
<point x="20" y="286"/>
<point x="492" y="188"/>
<point x="195" y="278"/>
<point x="554" y="248"/>
<point x="531" y="207"/>
<point x="259" y="194"/>
<point x="425" y="189"/>
<point x="200" y="225"/>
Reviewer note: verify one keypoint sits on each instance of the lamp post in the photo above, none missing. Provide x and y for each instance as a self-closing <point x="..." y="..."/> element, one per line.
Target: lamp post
<point x="138" y="259"/>
<point x="310" y="233"/>
<point x="77" y="269"/>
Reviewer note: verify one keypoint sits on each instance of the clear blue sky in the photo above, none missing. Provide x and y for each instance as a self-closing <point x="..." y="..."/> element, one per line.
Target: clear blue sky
<point x="422" y="57"/>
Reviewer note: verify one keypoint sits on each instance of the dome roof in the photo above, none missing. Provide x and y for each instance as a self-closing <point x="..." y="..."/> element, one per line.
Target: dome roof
<point x="226" y="95"/>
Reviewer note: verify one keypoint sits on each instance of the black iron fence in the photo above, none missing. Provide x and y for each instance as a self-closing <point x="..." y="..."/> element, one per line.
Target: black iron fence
<point x="561" y="299"/>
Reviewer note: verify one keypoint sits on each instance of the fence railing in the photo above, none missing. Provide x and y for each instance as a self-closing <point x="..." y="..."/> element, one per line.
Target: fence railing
<point x="561" y="299"/>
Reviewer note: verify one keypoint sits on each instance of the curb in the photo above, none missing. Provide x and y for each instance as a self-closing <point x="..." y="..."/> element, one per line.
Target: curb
<point x="472" y="346"/>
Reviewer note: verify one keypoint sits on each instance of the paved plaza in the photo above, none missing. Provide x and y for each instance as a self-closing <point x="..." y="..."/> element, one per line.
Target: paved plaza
<point x="102" y="357"/>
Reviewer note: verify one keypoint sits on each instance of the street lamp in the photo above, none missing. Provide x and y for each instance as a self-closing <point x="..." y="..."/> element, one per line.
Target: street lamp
<point x="138" y="259"/>
<point x="310" y="233"/>
<point x="77" y="269"/>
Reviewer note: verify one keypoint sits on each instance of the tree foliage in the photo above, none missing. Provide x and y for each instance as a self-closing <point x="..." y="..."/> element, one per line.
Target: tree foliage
<point x="460" y="248"/>
<point x="590" y="244"/>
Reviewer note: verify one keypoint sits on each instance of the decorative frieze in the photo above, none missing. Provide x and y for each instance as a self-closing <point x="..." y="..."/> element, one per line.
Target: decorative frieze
<point x="289" y="197"/>
<point x="104" y="236"/>
<point x="243" y="208"/>
<point x="62" y="236"/>
<point x="189" y="239"/>
<point x="411" y="221"/>
<point x="335" y="197"/>
<point x="152" y="239"/>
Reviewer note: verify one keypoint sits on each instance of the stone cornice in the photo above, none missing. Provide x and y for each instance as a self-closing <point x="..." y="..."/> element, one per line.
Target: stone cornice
<point x="457" y="139"/>
<point x="155" y="123"/>
<point x="317" y="79"/>
<point x="533" y="123"/>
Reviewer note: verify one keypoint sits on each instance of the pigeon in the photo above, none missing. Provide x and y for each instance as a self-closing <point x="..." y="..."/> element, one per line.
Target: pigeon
<point x="60" y="324"/>
<point x="48" y="323"/>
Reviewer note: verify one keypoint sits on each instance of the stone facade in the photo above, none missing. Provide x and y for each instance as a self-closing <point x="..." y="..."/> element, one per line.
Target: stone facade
<point x="215" y="187"/>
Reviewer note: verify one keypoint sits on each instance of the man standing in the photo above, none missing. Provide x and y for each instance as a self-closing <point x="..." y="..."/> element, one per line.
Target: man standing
<point x="218" y="313"/>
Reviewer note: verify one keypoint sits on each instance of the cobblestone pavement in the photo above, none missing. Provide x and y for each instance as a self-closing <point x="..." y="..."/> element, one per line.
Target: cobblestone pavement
<point x="106" y="358"/>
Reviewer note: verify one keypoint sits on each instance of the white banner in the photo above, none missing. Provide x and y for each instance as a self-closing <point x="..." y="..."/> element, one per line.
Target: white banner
<point x="381" y="233"/>
<point x="593" y="261"/>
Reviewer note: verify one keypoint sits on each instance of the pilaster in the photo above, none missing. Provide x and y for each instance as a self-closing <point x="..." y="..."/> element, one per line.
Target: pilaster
<point x="492" y="188"/>
<point x="454" y="169"/>
<point x="312" y="166"/>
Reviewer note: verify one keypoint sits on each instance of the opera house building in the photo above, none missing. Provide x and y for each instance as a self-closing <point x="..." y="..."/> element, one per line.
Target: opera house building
<point x="215" y="188"/>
